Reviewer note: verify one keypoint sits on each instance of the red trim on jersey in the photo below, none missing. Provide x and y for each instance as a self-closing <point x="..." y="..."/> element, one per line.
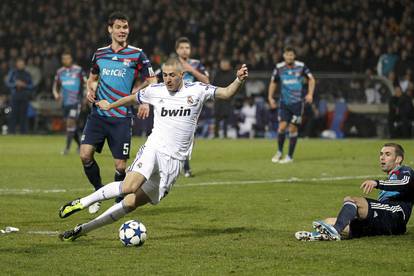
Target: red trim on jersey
<point x="120" y="111"/>
<point x="130" y="52"/>
<point x="118" y="92"/>
<point x="110" y="113"/>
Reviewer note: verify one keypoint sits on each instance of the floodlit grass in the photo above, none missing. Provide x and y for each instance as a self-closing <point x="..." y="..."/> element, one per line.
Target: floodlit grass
<point x="236" y="216"/>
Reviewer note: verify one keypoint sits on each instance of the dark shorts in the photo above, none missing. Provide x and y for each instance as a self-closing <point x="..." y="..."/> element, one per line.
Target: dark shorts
<point x="291" y="113"/>
<point x="71" y="111"/>
<point x="117" y="131"/>
<point x="384" y="218"/>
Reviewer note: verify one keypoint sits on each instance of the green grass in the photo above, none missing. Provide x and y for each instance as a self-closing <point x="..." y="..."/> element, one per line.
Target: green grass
<point x="236" y="216"/>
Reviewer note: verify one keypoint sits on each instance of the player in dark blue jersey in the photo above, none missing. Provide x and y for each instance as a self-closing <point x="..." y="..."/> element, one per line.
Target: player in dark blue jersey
<point x="362" y="216"/>
<point x="68" y="88"/>
<point x="194" y="70"/>
<point x="114" y="74"/>
<point x="290" y="75"/>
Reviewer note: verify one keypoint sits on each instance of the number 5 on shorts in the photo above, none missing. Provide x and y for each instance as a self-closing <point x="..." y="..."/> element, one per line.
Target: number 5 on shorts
<point x="125" y="149"/>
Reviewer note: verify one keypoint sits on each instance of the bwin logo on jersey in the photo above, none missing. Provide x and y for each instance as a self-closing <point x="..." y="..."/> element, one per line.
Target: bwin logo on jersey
<point x="175" y="112"/>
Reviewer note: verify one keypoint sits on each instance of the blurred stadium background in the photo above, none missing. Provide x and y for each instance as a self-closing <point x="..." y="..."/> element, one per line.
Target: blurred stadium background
<point x="361" y="53"/>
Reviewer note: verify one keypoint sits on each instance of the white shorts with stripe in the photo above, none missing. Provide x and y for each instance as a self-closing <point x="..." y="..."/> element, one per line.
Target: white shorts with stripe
<point x="160" y="170"/>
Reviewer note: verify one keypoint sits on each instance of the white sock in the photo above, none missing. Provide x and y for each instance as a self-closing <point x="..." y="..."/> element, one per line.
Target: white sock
<point x="108" y="191"/>
<point x="114" y="213"/>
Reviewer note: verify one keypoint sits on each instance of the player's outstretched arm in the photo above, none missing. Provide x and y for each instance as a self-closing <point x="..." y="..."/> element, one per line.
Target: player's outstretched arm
<point x="229" y="91"/>
<point x="125" y="101"/>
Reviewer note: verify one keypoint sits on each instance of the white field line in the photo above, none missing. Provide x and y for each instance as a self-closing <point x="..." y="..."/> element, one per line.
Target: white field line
<point x="9" y="191"/>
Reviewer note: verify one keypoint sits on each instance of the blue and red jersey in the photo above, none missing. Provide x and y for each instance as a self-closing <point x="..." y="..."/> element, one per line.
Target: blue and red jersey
<point x="398" y="186"/>
<point x="118" y="72"/>
<point x="291" y="79"/>
<point x="70" y="81"/>
<point x="196" y="64"/>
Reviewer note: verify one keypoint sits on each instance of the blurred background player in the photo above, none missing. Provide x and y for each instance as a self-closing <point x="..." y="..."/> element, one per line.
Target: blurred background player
<point x="114" y="74"/>
<point x="194" y="70"/>
<point x="222" y="109"/>
<point x="362" y="216"/>
<point x="68" y="88"/>
<point x="19" y="82"/>
<point x="290" y="74"/>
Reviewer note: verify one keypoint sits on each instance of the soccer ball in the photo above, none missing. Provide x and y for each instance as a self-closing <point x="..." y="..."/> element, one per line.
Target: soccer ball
<point x="132" y="233"/>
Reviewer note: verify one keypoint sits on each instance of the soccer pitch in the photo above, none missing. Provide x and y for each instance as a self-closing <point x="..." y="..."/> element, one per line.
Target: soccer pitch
<point x="238" y="215"/>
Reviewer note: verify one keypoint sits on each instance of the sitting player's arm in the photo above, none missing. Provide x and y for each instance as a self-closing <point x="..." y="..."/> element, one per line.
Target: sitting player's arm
<point x="125" y="101"/>
<point x="225" y="93"/>
<point x="402" y="184"/>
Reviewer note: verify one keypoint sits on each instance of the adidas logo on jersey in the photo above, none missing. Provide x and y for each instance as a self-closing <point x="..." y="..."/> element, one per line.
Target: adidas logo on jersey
<point x="115" y="58"/>
<point x="175" y="112"/>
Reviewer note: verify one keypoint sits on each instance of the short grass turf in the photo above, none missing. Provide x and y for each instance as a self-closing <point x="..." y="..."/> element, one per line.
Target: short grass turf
<point x="237" y="216"/>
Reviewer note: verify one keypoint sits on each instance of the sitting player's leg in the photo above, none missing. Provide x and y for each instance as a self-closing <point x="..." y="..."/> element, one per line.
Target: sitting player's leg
<point x="353" y="207"/>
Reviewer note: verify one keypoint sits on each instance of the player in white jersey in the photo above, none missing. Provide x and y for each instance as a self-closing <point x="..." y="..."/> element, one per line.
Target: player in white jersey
<point x="156" y="167"/>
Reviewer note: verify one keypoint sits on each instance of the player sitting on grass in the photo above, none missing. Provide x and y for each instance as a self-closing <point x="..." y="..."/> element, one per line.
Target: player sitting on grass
<point x="362" y="216"/>
<point x="177" y="106"/>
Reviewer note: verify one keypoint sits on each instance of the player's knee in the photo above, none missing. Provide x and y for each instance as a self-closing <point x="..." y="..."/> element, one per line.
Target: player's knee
<point x="130" y="202"/>
<point x="120" y="168"/>
<point x="85" y="157"/>
<point x="349" y="199"/>
<point x="330" y="221"/>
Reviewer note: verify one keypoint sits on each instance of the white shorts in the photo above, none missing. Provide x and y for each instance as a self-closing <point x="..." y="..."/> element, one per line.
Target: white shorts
<point x="160" y="170"/>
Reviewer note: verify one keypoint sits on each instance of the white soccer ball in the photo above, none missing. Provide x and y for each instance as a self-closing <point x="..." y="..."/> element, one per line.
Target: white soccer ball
<point x="132" y="233"/>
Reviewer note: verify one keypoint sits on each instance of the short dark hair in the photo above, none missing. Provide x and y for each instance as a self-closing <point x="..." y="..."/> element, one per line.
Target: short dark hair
<point x="117" y="15"/>
<point x="289" y="49"/>
<point x="399" y="151"/>
<point x="67" y="53"/>
<point x="180" y="40"/>
<point x="174" y="61"/>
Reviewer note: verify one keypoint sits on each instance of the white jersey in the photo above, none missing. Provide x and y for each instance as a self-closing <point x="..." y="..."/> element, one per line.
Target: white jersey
<point x="175" y="115"/>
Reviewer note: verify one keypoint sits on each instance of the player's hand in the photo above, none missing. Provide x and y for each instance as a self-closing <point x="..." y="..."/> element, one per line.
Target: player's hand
<point x="368" y="185"/>
<point x="242" y="73"/>
<point x="20" y="84"/>
<point x="103" y="104"/>
<point x="57" y="97"/>
<point x="272" y="103"/>
<point x="186" y="66"/>
<point x="309" y="98"/>
<point x="143" y="111"/>
<point x="91" y="93"/>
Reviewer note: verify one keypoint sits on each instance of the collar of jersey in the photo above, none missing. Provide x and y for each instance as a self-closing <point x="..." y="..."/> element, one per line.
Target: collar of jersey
<point x="115" y="52"/>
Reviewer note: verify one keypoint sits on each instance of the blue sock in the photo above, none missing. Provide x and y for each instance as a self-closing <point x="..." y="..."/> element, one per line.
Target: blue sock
<point x="93" y="173"/>
<point x="187" y="165"/>
<point x="347" y="213"/>
<point x="293" y="138"/>
<point x="281" y="140"/>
